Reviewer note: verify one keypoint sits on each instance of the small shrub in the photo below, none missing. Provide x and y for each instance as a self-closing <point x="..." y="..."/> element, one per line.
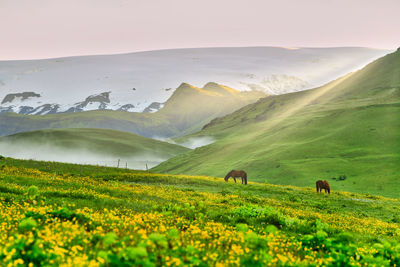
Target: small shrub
<point x="68" y="215"/>
<point x="109" y="239"/>
<point x="271" y="229"/>
<point x="241" y="227"/>
<point x="35" y="215"/>
<point x="33" y="192"/>
<point x="159" y="240"/>
<point x="225" y="192"/>
<point x="345" y="238"/>
<point x="137" y="256"/>
<point x="396" y="219"/>
<point x="321" y="206"/>
<point x="251" y="214"/>
<point x="27" y="224"/>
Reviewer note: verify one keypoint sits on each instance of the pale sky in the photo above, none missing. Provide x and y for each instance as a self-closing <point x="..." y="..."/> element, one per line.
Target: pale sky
<point x="32" y="29"/>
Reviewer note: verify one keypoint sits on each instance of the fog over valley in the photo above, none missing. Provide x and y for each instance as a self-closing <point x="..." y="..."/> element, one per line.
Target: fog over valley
<point x="79" y="156"/>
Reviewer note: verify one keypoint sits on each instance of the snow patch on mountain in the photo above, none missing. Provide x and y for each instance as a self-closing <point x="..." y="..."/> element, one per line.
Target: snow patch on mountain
<point x="153" y="107"/>
<point x="133" y="82"/>
<point x="96" y="101"/>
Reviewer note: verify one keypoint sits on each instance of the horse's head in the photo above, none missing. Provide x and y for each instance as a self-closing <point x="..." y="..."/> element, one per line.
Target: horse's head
<point x="227" y="176"/>
<point x="327" y="186"/>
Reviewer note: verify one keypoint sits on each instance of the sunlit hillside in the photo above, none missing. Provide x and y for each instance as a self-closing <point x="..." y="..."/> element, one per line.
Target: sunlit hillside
<point x="349" y="127"/>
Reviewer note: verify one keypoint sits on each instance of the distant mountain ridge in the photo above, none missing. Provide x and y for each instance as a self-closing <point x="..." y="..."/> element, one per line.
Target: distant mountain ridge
<point x="133" y="82"/>
<point x="186" y="111"/>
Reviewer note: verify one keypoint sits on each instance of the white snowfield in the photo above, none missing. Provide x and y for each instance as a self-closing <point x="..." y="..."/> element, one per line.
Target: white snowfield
<point x="132" y="82"/>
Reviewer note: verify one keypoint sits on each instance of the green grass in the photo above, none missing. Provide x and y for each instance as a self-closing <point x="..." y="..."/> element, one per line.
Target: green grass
<point x="59" y="168"/>
<point x="365" y="205"/>
<point x="348" y="127"/>
<point x="100" y="213"/>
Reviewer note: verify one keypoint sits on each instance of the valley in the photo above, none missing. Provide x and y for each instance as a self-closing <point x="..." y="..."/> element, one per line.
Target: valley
<point x="89" y="146"/>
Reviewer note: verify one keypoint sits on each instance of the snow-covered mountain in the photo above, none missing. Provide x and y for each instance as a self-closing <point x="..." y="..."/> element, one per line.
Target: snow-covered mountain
<point x="143" y="81"/>
<point x="186" y="111"/>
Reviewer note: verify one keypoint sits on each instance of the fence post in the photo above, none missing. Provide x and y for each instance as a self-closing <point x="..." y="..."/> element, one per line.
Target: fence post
<point x="118" y="163"/>
<point x="147" y="169"/>
<point x="126" y="165"/>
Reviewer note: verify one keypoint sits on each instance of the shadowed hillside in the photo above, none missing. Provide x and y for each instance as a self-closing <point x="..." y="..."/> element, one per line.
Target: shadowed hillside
<point x="186" y="111"/>
<point x="92" y="146"/>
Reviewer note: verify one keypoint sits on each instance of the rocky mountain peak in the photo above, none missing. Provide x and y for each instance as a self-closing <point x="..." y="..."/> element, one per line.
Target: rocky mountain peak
<point x="23" y="96"/>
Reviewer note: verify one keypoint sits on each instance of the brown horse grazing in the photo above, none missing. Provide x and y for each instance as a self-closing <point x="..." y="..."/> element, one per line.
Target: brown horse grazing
<point x="323" y="185"/>
<point x="234" y="174"/>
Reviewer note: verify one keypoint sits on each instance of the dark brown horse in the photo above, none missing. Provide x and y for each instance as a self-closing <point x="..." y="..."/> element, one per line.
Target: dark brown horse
<point x="234" y="174"/>
<point x="323" y="185"/>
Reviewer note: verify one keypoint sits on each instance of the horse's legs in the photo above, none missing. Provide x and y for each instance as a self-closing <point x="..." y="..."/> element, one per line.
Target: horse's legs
<point x="234" y="179"/>
<point x="242" y="179"/>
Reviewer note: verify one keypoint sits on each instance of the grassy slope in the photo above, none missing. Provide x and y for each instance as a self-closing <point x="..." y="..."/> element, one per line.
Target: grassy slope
<point x="178" y="117"/>
<point x="99" y="141"/>
<point x="348" y="127"/>
<point x="114" y="200"/>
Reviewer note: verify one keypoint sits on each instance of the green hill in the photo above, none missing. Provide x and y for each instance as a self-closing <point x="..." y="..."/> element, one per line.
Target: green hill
<point x="186" y="111"/>
<point x="55" y="214"/>
<point x="349" y="127"/>
<point x="88" y="145"/>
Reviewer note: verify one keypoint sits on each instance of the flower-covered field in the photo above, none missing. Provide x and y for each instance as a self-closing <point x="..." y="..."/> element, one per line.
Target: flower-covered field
<point x="60" y="214"/>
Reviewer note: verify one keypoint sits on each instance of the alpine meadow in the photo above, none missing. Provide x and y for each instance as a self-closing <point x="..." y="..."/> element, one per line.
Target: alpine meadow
<point x="349" y="127"/>
<point x="199" y="133"/>
<point x="346" y="132"/>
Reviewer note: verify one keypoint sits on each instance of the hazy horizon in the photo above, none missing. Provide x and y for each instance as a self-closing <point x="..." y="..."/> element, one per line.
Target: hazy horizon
<point x="207" y="47"/>
<point x="58" y="28"/>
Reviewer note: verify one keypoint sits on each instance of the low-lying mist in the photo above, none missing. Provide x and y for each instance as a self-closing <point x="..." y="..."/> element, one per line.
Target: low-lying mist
<point x="195" y="142"/>
<point x="192" y="143"/>
<point x="79" y="156"/>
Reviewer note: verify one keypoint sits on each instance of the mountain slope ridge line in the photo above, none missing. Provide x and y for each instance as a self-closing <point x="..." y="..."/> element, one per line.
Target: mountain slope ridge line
<point x="300" y="104"/>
